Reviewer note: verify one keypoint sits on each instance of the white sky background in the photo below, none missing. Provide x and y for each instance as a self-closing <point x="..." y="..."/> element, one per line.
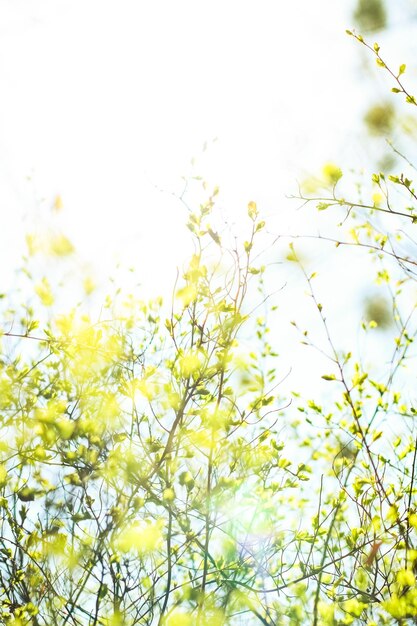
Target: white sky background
<point x="106" y="102"/>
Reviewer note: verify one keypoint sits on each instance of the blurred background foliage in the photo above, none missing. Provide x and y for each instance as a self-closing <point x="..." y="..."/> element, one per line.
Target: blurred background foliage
<point x="379" y="118"/>
<point x="390" y="128"/>
<point x="380" y="19"/>
<point x="378" y="312"/>
<point x="370" y="15"/>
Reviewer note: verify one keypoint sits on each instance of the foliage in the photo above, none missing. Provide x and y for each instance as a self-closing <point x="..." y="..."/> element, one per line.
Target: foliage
<point x="134" y="449"/>
<point x="370" y="533"/>
<point x="150" y="472"/>
<point x="370" y="15"/>
<point x="379" y="119"/>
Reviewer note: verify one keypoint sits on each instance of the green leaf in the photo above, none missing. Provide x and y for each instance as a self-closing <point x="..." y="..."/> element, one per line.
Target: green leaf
<point x="103" y="591"/>
<point x="252" y="211"/>
<point x="214" y="236"/>
<point x="332" y="173"/>
<point x="26" y="494"/>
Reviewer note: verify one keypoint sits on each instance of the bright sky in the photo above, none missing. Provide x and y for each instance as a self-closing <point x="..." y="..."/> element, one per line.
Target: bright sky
<point x="105" y="102"/>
